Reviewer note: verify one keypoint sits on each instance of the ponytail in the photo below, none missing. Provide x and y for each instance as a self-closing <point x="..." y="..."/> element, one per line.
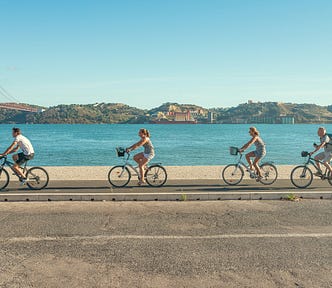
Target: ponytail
<point x="146" y="132"/>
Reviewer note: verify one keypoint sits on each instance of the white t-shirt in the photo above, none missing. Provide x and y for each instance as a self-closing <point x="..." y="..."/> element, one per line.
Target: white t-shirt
<point x="24" y="144"/>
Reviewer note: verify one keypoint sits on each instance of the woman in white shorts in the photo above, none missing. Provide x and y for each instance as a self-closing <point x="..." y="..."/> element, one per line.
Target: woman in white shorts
<point x="144" y="157"/>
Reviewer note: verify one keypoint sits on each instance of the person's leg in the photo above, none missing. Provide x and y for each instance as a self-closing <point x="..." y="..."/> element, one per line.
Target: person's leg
<point x="326" y="162"/>
<point x="138" y="157"/>
<point x="142" y="167"/>
<point x="19" y="159"/>
<point x="258" y="170"/>
<point x="248" y="156"/>
<point x="319" y="157"/>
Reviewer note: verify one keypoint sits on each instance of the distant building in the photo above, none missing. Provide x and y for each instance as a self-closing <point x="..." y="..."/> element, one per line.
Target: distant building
<point x="287" y="120"/>
<point x="183" y="116"/>
<point x="210" y="117"/>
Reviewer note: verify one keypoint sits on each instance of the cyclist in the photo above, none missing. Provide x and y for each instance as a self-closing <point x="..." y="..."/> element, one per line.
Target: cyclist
<point x="258" y="154"/>
<point x="27" y="153"/>
<point x="326" y="156"/>
<point x="144" y="157"/>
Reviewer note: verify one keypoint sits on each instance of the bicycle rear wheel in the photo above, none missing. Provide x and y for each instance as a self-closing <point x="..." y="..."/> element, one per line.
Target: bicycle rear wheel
<point x="301" y="176"/>
<point x="269" y="174"/>
<point x="156" y="175"/>
<point x="37" y="178"/>
<point x="232" y="174"/>
<point x="119" y="176"/>
<point x="4" y="179"/>
<point x="329" y="179"/>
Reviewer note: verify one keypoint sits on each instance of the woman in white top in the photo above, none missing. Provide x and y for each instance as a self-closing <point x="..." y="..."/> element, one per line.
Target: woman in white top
<point x="144" y="157"/>
<point x="258" y="154"/>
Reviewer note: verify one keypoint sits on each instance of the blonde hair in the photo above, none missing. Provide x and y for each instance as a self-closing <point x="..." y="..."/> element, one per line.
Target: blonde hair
<point x="145" y="132"/>
<point x="254" y="130"/>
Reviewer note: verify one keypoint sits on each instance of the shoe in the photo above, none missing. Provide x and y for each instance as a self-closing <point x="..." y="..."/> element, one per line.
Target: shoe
<point x="140" y="183"/>
<point x="259" y="178"/>
<point x="22" y="180"/>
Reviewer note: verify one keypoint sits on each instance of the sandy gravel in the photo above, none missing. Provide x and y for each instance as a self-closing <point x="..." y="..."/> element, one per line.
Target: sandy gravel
<point x="174" y="172"/>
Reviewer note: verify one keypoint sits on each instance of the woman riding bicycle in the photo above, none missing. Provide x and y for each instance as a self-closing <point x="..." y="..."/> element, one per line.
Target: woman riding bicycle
<point x="259" y="153"/>
<point x="144" y="157"/>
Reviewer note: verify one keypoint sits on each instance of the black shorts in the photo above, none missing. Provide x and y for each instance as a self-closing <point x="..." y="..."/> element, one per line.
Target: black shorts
<point x="23" y="158"/>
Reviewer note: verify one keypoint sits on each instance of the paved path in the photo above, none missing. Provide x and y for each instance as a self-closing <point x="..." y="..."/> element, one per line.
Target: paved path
<point x="173" y="190"/>
<point x="166" y="244"/>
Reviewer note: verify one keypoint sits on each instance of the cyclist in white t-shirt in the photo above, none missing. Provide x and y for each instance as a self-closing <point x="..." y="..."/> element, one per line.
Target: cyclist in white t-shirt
<point x="23" y="143"/>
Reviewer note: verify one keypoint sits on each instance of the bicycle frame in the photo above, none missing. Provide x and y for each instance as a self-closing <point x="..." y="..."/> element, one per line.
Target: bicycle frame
<point x="127" y="164"/>
<point x="10" y="164"/>
<point x="313" y="162"/>
<point x="133" y="168"/>
<point x="241" y="163"/>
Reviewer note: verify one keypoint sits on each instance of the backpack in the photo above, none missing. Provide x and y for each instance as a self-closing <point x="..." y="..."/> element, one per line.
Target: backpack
<point x="330" y="136"/>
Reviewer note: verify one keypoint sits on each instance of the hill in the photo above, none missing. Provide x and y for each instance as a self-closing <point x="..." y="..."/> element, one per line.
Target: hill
<point x="252" y="112"/>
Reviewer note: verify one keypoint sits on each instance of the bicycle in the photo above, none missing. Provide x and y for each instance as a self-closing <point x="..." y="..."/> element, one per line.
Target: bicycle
<point x="36" y="177"/>
<point x="120" y="175"/>
<point x="233" y="174"/>
<point x="302" y="176"/>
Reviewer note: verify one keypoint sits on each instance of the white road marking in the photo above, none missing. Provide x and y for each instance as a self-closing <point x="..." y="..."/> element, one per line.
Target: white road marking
<point x="165" y="237"/>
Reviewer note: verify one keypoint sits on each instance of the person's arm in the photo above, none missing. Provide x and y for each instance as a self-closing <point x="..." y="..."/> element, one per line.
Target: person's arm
<point x="247" y="145"/>
<point x="136" y="145"/>
<point x="12" y="148"/>
<point x="318" y="147"/>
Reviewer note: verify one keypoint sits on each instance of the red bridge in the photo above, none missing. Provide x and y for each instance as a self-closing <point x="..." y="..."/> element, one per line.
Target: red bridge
<point x="19" y="107"/>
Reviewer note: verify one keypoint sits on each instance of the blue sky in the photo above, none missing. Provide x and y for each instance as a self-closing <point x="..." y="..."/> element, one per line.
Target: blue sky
<point x="213" y="53"/>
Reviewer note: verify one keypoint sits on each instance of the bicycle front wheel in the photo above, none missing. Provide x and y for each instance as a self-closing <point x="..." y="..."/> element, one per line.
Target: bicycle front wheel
<point x="269" y="174"/>
<point x="119" y="176"/>
<point x="37" y="178"/>
<point x="156" y="176"/>
<point x="232" y="174"/>
<point x="4" y="179"/>
<point x="301" y="176"/>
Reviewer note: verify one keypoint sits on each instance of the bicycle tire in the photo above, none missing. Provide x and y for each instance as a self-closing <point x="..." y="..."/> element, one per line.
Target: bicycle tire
<point x="235" y="173"/>
<point x="305" y="176"/>
<point x="37" y="180"/>
<point x="115" y="173"/>
<point x="267" y="170"/>
<point x="4" y="178"/>
<point x="329" y="179"/>
<point x="156" y="175"/>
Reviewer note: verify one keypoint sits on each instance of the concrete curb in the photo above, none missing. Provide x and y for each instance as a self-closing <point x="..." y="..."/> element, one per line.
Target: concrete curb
<point x="172" y="196"/>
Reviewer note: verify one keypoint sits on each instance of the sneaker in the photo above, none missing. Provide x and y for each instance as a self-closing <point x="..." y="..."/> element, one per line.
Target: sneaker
<point x="23" y="181"/>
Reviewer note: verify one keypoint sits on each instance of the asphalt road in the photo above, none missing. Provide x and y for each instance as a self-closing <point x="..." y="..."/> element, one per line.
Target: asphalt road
<point x="166" y="244"/>
<point x="171" y="186"/>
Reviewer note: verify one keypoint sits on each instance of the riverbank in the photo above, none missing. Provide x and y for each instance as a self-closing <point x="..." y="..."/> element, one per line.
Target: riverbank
<point x="174" y="172"/>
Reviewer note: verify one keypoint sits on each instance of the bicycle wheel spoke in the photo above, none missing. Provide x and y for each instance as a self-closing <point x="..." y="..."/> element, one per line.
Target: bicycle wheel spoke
<point x="37" y="178"/>
<point x="232" y="174"/>
<point x="301" y="176"/>
<point x="156" y="176"/>
<point x="119" y="176"/>
<point x="269" y="174"/>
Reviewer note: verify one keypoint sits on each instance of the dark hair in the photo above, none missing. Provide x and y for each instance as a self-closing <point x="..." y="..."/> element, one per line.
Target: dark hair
<point x="145" y="132"/>
<point x="17" y="130"/>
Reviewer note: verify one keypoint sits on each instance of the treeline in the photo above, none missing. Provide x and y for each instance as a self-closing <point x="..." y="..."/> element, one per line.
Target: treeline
<point x="120" y="113"/>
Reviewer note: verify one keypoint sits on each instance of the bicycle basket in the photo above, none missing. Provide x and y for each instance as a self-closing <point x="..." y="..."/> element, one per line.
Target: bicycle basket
<point x="304" y="153"/>
<point x="120" y="151"/>
<point x="233" y="150"/>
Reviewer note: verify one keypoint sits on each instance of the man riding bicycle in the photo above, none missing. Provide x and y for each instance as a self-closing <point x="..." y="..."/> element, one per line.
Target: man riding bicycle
<point x="326" y="156"/>
<point x="27" y="153"/>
